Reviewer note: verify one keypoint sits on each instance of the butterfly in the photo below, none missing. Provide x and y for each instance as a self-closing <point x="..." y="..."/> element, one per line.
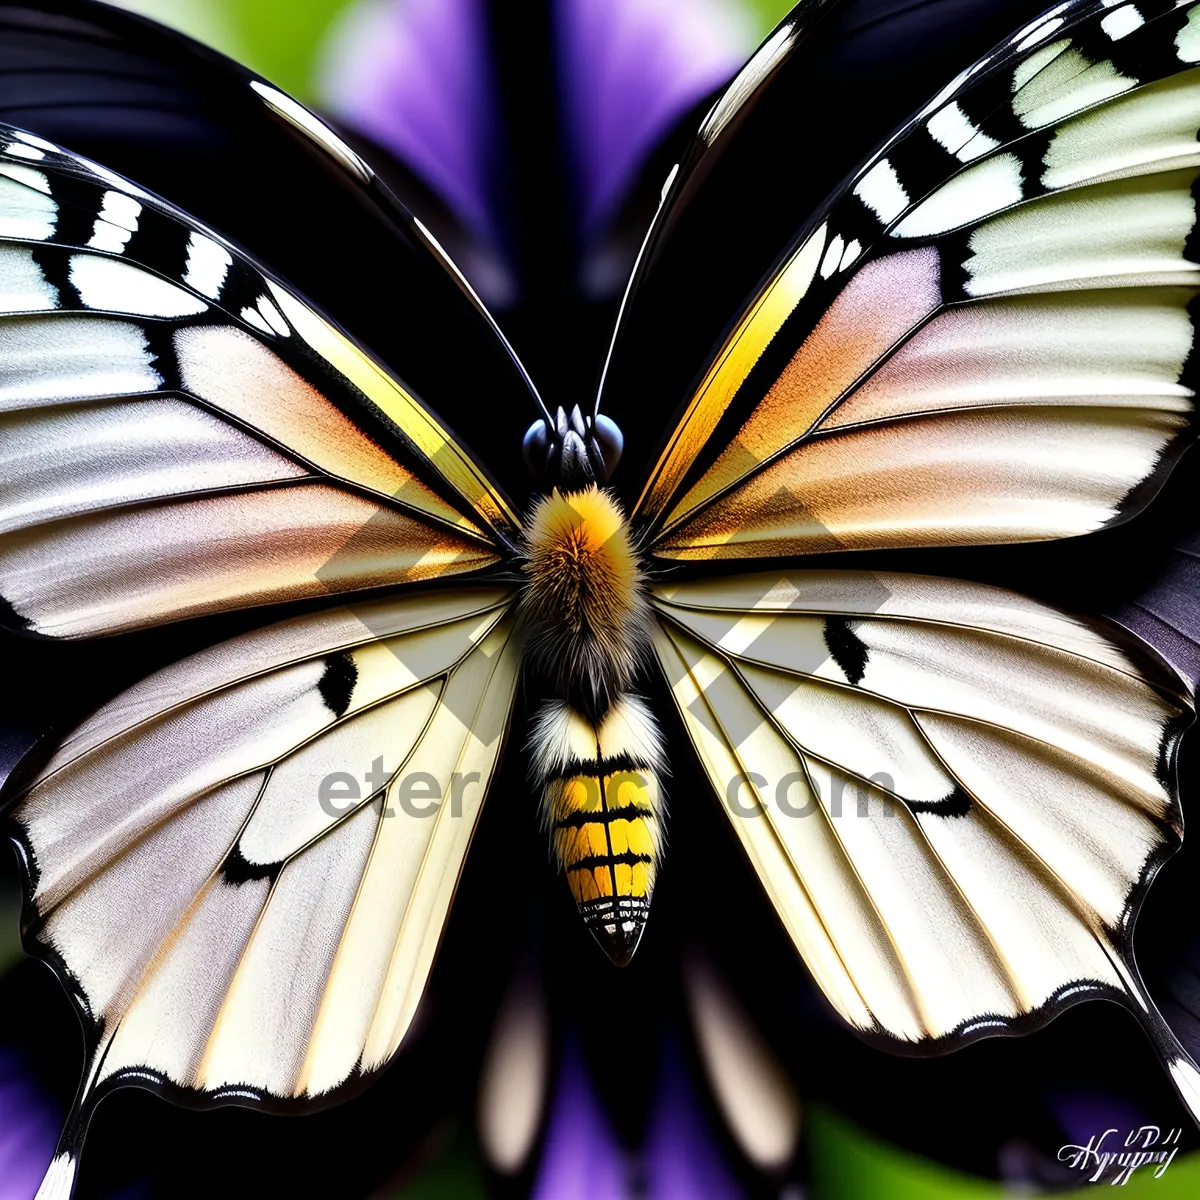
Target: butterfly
<point x="954" y="795"/>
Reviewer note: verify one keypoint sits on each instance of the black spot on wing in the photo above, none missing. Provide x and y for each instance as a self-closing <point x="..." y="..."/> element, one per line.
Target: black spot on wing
<point x="847" y="649"/>
<point x="236" y="870"/>
<point x="56" y="270"/>
<point x="160" y="243"/>
<point x="1191" y="245"/>
<point x="337" y="684"/>
<point x="78" y="205"/>
<point x="160" y="342"/>
<point x="957" y="804"/>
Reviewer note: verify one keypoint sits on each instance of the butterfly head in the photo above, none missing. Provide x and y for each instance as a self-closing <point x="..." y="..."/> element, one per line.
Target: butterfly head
<point x="573" y="451"/>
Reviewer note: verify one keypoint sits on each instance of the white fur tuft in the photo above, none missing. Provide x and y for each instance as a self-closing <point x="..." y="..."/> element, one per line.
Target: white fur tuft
<point x="630" y="728"/>
<point x="559" y="736"/>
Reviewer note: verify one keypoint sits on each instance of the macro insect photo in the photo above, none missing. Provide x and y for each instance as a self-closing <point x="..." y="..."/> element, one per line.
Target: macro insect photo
<point x="598" y="599"/>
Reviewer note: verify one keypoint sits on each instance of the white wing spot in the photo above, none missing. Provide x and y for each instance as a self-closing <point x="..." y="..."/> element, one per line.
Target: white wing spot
<point x="112" y="286"/>
<point x="983" y="189"/>
<point x="19" y="150"/>
<point x="31" y="139"/>
<point x="881" y="191"/>
<point x="852" y="252"/>
<point x="23" y="286"/>
<point x="951" y="128"/>
<point x="253" y="317"/>
<point x="833" y="256"/>
<point x="29" y="177"/>
<point x="1032" y="66"/>
<point x="1187" y="40"/>
<point x="273" y="317"/>
<point x="208" y="264"/>
<point x="1121" y="22"/>
<point x="116" y="224"/>
<point x="24" y="212"/>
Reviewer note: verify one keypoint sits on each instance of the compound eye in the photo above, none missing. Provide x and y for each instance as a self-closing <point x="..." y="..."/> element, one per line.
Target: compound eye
<point x="536" y="448"/>
<point x="611" y="441"/>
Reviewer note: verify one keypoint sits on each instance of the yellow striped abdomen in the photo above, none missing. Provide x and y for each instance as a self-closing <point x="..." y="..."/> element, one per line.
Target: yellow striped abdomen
<point x="602" y="808"/>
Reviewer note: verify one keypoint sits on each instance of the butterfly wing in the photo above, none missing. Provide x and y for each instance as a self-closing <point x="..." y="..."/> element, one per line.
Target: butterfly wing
<point x="242" y="864"/>
<point x="1009" y="276"/>
<point x="954" y="795"/>
<point x="185" y="436"/>
<point x="739" y="194"/>
<point x="236" y="154"/>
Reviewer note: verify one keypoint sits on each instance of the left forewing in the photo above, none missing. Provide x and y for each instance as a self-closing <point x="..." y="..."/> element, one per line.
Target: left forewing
<point x="954" y="795"/>
<point x="182" y="435"/>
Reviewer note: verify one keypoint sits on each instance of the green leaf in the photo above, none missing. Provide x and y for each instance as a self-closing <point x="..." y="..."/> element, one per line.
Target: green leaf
<point x="848" y="1163"/>
<point x="211" y="22"/>
<point x="768" y="12"/>
<point x="454" y="1174"/>
<point x="283" y="38"/>
<point x="1180" y="1181"/>
<point x="280" y="39"/>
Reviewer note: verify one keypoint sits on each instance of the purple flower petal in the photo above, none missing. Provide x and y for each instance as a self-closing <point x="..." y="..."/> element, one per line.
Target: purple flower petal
<point x="413" y="75"/>
<point x="28" y="1129"/>
<point x="630" y="69"/>
<point x="1087" y="1114"/>
<point x="682" y="1160"/>
<point x="582" y="1159"/>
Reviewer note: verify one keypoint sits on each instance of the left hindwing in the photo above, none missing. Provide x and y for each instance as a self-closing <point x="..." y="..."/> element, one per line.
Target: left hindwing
<point x="241" y="866"/>
<point x="953" y="795"/>
<point x="182" y="435"/>
<point x="986" y="336"/>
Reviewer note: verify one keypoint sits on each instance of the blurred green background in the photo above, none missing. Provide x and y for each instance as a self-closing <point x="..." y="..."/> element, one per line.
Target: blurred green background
<point x="282" y="39"/>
